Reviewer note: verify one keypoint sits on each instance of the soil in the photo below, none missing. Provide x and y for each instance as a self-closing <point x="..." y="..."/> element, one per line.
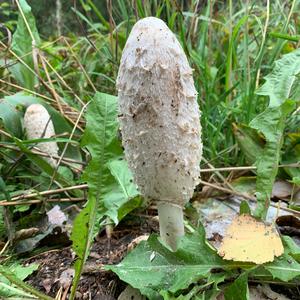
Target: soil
<point x="55" y="266"/>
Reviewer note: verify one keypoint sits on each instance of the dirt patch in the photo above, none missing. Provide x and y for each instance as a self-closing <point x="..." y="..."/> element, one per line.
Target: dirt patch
<point x="53" y="275"/>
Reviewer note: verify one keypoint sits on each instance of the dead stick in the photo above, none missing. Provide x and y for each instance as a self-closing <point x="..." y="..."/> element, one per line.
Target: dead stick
<point x="35" y="201"/>
<point x="220" y="188"/>
<point x="244" y="168"/>
<point x="50" y="192"/>
<point x="37" y="151"/>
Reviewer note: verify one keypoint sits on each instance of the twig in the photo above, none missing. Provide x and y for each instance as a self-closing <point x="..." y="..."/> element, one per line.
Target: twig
<point x="54" y="93"/>
<point x="4" y="248"/>
<point x="66" y="145"/>
<point x="65" y="160"/>
<point x="49" y="192"/>
<point x="219" y="175"/>
<point x="26" y="90"/>
<point x="229" y="191"/>
<point x="64" y="82"/>
<point x="35" y="201"/>
<point x="81" y="66"/>
<point x="244" y="168"/>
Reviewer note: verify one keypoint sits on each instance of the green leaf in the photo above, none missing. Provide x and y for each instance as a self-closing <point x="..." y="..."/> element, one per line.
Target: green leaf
<point x="122" y="195"/>
<point x="20" y="271"/>
<point x="284" y="268"/>
<point x="153" y="268"/>
<point x="206" y="291"/>
<point x="283" y="82"/>
<point x="100" y="138"/>
<point x="11" y="118"/>
<point x="16" y="274"/>
<point x="22" y="46"/>
<point x="2" y="225"/>
<point x="249" y="141"/>
<point x="245" y="208"/>
<point x="43" y="165"/>
<point x="238" y="290"/>
<point x="291" y="247"/>
<point x="245" y="184"/>
<point x="271" y="124"/>
<point x="7" y="291"/>
<point x="3" y="189"/>
<point x="82" y="238"/>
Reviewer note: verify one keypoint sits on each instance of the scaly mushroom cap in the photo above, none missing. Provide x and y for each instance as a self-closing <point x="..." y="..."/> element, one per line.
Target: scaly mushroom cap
<point x="159" y="114"/>
<point x="38" y="124"/>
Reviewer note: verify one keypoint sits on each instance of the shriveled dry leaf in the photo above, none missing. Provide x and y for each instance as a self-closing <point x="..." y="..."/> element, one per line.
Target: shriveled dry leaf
<point x="66" y="278"/>
<point x="56" y="216"/>
<point x="249" y="240"/>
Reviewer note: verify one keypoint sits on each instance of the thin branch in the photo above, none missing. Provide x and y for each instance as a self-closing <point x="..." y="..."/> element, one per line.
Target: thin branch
<point x="81" y="66"/>
<point x="228" y="191"/>
<point x="26" y="90"/>
<point x="66" y="145"/>
<point x="49" y="192"/>
<point x="36" y="201"/>
<point x="245" y="168"/>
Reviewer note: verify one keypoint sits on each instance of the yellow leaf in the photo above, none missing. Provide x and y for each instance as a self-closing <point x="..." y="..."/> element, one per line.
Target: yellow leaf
<point x="249" y="240"/>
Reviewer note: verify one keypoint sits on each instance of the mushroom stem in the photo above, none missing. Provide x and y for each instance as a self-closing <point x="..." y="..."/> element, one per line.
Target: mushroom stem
<point x="171" y="225"/>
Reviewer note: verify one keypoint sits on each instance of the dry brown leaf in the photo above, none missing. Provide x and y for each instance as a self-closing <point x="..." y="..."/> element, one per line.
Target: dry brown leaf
<point x="56" y="216"/>
<point x="249" y="240"/>
<point x="136" y="241"/>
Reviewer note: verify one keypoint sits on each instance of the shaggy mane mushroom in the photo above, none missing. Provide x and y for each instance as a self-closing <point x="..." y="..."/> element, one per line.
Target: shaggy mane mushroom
<point x="160" y="121"/>
<point x="38" y="124"/>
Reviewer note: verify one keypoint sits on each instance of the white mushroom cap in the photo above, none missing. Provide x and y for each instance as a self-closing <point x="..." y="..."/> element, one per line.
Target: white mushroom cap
<point x="159" y="114"/>
<point x="38" y="124"/>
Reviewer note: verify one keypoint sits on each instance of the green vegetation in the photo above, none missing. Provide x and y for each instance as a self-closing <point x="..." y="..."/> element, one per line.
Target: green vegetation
<point x="246" y="71"/>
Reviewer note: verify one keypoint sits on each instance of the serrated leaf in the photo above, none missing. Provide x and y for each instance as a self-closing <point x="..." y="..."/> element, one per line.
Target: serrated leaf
<point x="10" y="292"/>
<point x="152" y="268"/>
<point x="16" y="274"/>
<point x="271" y="124"/>
<point x="291" y="247"/>
<point x="284" y="268"/>
<point x="20" y="271"/>
<point x="122" y="195"/>
<point x="201" y="291"/>
<point x="22" y="45"/>
<point x="100" y="138"/>
<point x="249" y="141"/>
<point x="283" y="82"/>
<point x="238" y="290"/>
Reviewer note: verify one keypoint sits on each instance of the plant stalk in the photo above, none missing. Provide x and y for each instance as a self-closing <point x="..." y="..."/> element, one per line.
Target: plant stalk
<point x="171" y="225"/>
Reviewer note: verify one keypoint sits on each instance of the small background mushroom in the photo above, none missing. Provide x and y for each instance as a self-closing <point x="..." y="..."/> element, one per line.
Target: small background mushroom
<point x="38" y="124"/>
